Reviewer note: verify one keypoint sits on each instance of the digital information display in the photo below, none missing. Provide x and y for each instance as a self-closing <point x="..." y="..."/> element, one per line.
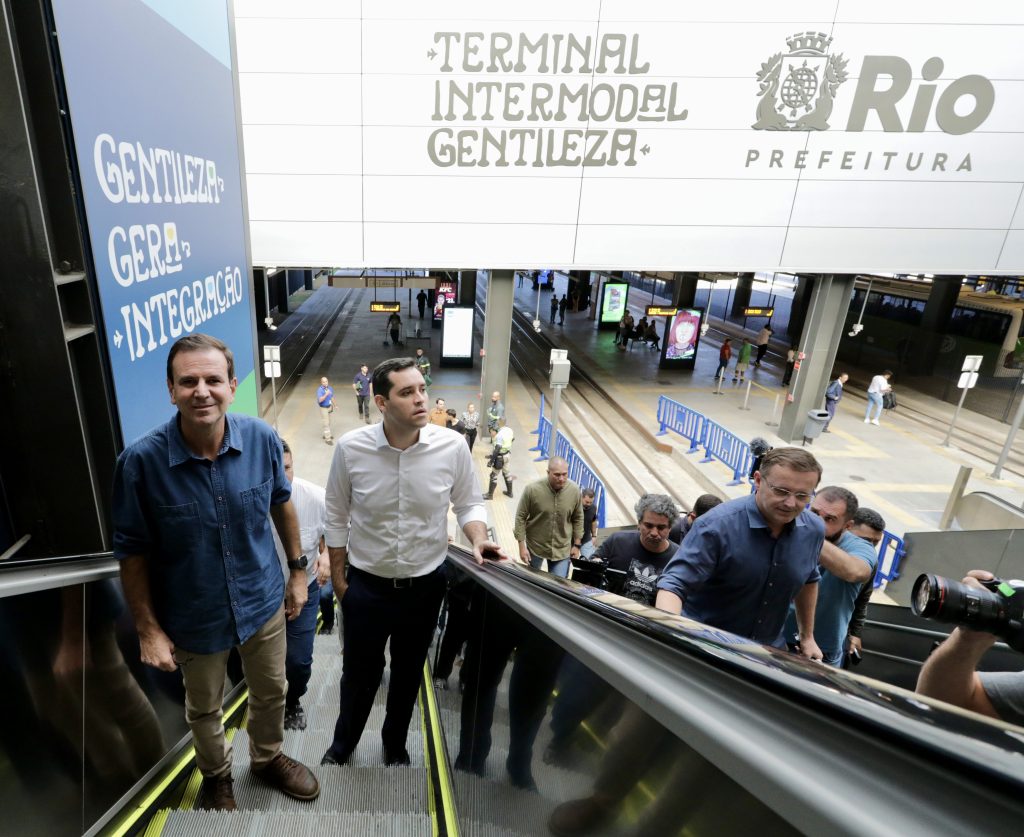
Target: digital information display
<point x="613" y="303"/>
<point x="457" y="335"/>
<point x="385" y="307"/>
<point x="682" y="334"/>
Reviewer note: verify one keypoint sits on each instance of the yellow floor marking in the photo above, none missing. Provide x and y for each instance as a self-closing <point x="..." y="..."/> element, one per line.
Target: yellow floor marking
<point x="871" y="499"/>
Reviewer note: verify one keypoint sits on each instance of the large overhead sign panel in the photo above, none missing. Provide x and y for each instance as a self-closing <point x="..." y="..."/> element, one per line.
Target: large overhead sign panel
<point x="853" y="136"/>
<point x="152" y="108"/>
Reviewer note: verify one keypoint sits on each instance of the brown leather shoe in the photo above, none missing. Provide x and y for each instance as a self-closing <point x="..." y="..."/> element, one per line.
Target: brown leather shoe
<point x="289" y="777"/>
<point x="217" y="794"/>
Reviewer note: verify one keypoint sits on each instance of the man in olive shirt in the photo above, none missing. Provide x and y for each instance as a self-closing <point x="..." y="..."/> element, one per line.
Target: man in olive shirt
<point x="549" y="520"/>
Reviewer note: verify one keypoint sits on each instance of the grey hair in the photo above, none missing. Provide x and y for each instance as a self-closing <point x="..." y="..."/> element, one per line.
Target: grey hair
<point x="656" y="504"/>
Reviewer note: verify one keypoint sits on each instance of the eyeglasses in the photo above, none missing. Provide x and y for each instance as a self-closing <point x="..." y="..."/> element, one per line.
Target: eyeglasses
<point x="784" y="493"/>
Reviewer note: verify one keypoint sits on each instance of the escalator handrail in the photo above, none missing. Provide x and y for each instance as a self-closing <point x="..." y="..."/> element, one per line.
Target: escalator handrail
<point x="36" y="574"/>
<point x="991" y="750"/>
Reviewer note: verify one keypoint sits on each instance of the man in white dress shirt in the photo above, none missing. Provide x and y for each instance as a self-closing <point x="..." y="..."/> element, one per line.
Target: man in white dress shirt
<point x="388" y="495"/>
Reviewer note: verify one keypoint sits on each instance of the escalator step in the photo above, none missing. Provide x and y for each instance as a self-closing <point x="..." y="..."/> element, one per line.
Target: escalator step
<point x="281" y="824"/>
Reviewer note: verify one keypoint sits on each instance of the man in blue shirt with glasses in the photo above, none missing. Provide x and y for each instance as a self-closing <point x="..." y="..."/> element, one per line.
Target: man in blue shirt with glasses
<point x="191" y="506"/>
<point x="744" y="561"/>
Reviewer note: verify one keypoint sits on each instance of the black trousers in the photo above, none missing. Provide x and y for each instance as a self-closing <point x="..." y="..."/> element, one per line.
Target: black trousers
<point x="374" y="611"/>
<point x="497" y="632"/>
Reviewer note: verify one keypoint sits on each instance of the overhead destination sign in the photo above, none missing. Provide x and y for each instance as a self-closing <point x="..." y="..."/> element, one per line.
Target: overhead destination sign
<point x="385" y="307"/>
<point x="658" y="311"/>
<point x="651" y="135"/>
<point x="758" y="312"/>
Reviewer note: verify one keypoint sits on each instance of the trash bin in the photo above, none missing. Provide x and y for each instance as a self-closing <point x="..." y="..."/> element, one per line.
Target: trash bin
<point x="816" y="421"/>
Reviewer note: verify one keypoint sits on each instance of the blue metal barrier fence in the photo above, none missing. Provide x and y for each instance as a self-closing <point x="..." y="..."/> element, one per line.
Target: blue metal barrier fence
<point x="579" y="471"/>
<point x="682" y="420"/>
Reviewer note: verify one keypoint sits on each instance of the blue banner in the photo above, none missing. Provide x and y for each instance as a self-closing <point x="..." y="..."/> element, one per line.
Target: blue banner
<point x="152" y="109"/>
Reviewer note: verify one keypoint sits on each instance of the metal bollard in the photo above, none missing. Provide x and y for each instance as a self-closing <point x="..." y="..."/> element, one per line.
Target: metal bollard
<point x="718" y="386"/>
<point x="775" y="411"/>
<point x="747" y="398"/>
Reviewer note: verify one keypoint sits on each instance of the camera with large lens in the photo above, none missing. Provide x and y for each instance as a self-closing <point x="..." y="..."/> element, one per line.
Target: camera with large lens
<point x="996" y="608"/>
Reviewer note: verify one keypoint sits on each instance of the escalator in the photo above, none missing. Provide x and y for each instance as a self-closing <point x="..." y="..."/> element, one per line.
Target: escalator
<point x="573" y="711"/>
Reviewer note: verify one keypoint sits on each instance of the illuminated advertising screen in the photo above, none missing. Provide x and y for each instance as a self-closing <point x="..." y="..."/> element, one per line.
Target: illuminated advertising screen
<point x="613" y="303"/>
<point x="457" y="336"/>
<point x="445" y="295"/>
<point x="682" y="334"/>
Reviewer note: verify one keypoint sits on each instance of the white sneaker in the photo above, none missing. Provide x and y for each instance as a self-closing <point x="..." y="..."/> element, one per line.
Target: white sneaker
<point x="874" y="421"/>
<point x="867" y="421"/>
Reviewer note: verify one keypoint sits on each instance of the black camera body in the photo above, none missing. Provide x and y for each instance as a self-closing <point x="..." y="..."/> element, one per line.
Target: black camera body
<point x="997" y="608"/>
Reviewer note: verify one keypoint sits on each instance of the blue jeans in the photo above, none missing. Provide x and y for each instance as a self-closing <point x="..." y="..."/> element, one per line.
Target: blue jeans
<point x="559" y="568"/>
<point x="326" y="598"/>
<point x="587" y="549"/>
<point x="298" y="660"/>
<point x="874" y="400"/>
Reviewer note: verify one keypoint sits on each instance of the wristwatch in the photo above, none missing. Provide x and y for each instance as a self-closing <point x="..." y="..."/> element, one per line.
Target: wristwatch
<point x="298" y="563"/>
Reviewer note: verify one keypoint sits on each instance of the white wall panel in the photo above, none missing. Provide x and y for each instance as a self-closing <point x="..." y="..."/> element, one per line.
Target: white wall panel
<point x="339" y="98"/>
<point x="288" y="149"/>
<point x="305" y="45"/>
<point x="305" y="243"/>
<point x="469" y="245"/>
<point x="937" y="206"/>
<point x="740" y="203"/>
<point x="894" y="250"/>
<point x="300" y="99"/>
<point x="280" y="197"/>
<point x="459" y="200"/>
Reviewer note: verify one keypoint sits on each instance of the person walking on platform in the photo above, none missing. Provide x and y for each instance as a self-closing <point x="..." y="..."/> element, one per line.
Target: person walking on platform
<point x="423" y="364"/>
<point x="549" y="520"/>
<point x="361" y="385"/>
<point x="388" y="494"/>
<point x="742" y="360"/>
<point x="439" y="415"/>
<point x="787" y="375"/>
<point x="325" y="401"/>
<point x="877" y="389"/>
<point x="308" y="500"/>
<point x="495" y="415"/>
<point x="833" y="395"/>
<point x="563" y="303"/>
<point x="471" y="421"/>
<point x="395" y="328"/>
<point x="763" y="336"/>
<point x="198" y="564"/>
<point x="554" y="307"/>
<point x="421" y="303"/>
<point x="499" y="461"/>
<point x="743" y="563"/>
<point x="724" y="356"/>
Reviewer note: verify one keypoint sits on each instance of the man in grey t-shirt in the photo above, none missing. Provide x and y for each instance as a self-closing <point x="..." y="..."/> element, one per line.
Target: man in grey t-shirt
<point x="950" y="674"/>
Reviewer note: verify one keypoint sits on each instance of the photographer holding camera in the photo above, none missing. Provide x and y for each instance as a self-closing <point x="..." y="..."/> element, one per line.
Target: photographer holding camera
<point x="950" y="673"/>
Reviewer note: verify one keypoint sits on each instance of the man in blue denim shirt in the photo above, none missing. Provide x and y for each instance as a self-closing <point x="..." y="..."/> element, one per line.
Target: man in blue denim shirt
<point x="190" y="506"/>
<point x="743" y="562"/>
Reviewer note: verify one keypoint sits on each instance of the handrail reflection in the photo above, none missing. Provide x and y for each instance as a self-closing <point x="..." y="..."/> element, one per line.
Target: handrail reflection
<point x="937" y="729"/>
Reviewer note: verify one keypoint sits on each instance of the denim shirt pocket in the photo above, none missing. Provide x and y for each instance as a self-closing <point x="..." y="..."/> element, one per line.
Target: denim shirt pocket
<point x="256" y="503"/>
<point x="180" y="529"/>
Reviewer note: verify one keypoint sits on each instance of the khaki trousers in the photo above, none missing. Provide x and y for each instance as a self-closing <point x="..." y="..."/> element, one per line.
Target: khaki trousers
<point x="325" y="420"/>
<point x="205" y="674"/>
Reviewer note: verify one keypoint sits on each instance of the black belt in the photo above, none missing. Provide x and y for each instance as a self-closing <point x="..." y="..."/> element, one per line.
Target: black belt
<point x="384" y="583"/>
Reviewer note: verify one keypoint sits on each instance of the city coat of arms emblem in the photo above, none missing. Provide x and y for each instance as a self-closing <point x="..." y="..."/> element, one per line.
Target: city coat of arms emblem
<point x="797" y="89"/>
